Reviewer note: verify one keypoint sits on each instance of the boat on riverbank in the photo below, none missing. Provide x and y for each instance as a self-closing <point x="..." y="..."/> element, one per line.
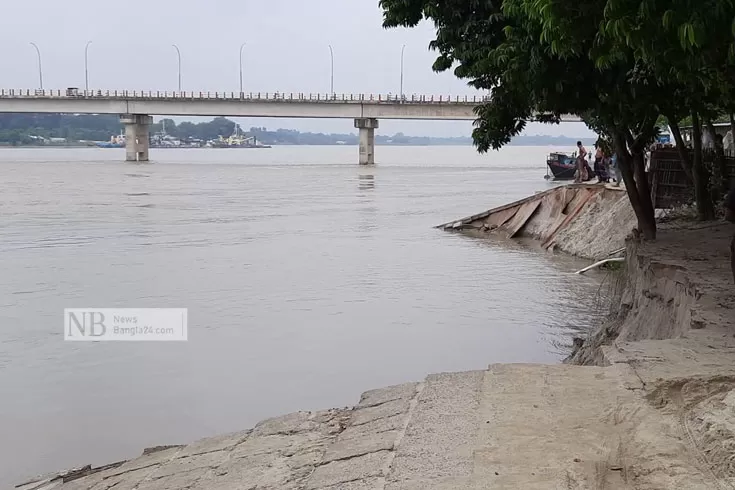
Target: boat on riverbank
<point x="562" y="166"/>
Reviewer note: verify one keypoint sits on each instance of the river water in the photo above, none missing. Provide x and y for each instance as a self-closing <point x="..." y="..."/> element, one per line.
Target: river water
<point x="307" y="279"/>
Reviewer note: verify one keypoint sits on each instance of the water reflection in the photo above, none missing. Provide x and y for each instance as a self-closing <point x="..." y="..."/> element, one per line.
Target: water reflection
<point x="368" y="211"/>
<point x="366" y="182"/>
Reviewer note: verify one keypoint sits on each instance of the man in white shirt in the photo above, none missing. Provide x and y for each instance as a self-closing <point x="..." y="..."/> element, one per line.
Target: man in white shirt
<point x="727" y="142"/>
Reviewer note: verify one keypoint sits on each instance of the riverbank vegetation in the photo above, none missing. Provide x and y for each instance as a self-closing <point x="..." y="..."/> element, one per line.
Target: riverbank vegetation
<point x="618" y="65"/>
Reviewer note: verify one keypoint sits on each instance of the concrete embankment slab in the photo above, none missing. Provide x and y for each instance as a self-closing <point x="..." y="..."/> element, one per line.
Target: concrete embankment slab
<point x="555" y="418"/>
<point x="437" y="449"/>
<point x="508" y="427"/>
<point x="586" y="220"/>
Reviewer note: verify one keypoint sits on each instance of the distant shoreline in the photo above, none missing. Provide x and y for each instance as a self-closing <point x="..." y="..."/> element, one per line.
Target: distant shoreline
<point x="82" y="145"/>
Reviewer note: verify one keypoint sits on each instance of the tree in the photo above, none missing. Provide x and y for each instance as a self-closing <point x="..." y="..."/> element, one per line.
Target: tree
<point x="539" y="59"/>
<point x="688" y="49"/>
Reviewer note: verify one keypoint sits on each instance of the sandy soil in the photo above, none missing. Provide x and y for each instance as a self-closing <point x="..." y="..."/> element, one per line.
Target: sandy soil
<point x="674" y="325"/>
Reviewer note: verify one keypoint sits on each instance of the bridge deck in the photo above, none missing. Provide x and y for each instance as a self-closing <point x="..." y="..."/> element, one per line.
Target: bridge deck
<point x="233" y="104"/>
<point x="277" y="97"/>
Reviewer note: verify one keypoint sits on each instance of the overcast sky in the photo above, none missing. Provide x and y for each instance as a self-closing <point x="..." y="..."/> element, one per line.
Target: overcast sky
<point x="287" y="51"/>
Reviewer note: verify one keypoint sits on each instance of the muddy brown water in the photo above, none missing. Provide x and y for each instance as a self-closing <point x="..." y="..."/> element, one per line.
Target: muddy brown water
<point x="308" y="280"/>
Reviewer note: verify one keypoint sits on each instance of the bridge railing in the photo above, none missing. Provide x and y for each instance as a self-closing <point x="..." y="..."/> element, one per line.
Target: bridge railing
<point x="242" y="96"/>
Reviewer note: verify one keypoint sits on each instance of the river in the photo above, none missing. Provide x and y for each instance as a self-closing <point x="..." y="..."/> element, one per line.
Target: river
<point x="308" y="280"/>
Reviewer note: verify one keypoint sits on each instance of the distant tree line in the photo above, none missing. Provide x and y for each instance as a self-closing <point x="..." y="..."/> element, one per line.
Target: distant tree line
<point x="24" y="129"/>
<point x="19" y="129"/>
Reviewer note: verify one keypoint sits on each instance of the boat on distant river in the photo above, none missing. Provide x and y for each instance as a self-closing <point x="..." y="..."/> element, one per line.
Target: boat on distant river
<point x="115" y="142"/>
<point x="236" y="140"/>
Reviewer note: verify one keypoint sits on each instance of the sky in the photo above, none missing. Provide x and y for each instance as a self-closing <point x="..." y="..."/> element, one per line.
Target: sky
<point x="287" y="50"/>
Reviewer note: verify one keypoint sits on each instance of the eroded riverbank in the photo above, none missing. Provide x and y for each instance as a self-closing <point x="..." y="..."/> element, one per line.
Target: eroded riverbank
<point x="649" y="407"/>
<point x="308" y="278"/>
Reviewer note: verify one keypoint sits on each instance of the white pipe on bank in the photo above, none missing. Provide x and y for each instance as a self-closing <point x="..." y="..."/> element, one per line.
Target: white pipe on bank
<point x="598" y="264"/>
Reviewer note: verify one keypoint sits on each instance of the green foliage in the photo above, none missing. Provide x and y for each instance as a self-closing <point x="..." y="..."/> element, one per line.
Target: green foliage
<point x="17" y="129"/>
<point x="213" y="129"/>
<point x="25" y="129"/>
<point x="619" y="64"/>
<point x="544" y="57"/>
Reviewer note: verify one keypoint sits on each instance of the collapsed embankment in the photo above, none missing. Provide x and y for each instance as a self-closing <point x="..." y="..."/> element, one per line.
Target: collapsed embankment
<point x="650" y="407"/>
<point x="672" y="319"/>
<point x="673" y="323"/>
<point x="589" y="221"/>
<point x="678" y="287"/>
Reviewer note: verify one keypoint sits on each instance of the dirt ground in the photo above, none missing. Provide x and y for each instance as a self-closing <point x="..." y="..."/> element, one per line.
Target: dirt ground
<point x="674" y="325"/>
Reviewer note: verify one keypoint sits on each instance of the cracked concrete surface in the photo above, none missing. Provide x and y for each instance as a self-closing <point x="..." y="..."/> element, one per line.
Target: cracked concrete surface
<point x="509" y="426"/>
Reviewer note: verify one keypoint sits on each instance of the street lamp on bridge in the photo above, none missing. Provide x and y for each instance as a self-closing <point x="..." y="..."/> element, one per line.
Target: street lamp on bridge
<point x="86" y="66"/>
<point x="241" y="48"/>
<point x="403" y="48"/>
<point x="178" y="52"/>
<point x="40" y="69"/>
<point x="331" y="84"/>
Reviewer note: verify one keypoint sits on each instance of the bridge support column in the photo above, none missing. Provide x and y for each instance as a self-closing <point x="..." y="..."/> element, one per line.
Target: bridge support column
<point x="136" y="136"/>
<point x="367" y="127"/>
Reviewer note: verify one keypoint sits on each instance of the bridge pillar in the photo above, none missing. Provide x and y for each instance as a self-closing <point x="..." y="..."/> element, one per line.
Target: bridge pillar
<point x="367" y="126"/>
<point x="136" y="136"/>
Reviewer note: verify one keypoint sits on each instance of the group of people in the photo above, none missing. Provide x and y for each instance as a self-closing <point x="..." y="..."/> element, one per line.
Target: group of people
<point x="603" y="163"/>
<point x="604" y="166"/>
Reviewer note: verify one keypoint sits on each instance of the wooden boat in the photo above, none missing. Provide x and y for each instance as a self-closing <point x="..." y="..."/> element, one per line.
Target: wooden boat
<point x="562" y="166"/>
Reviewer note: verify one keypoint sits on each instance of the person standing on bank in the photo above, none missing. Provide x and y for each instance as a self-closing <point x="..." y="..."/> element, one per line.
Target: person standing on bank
<point x="582" y="175"/>
<point x="600" y="166"/>
<point x="730" y="216"/>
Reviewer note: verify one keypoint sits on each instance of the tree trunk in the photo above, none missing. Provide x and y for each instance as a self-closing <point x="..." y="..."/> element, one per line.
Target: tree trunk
<point x="685" y="157"/>
<point x="644" y="189"/>
<point x="730" y="176"/>
<point x="646" y="218"/>
<point x="721" y="182"/>
<point x="705" y="208"/>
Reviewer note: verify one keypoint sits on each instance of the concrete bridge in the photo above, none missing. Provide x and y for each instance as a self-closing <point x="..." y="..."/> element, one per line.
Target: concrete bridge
<point x="135" y="107"/>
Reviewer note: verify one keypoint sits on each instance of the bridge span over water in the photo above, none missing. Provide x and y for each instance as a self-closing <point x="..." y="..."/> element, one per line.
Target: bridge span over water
<point x="135" y="108"/>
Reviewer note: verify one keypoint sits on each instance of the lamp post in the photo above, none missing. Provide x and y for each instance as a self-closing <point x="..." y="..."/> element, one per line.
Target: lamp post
<point x="40" y="69"/>
<point x="403" y="48"/>
<point x="331" y="84"/>
<point x="178" y="52"/>
<point x="86" y="66"/>
<point x="241" y="48"/>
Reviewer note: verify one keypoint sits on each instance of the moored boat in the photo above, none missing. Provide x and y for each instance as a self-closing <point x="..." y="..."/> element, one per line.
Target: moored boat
<point x="562" y="166"/>
<point x="115" y="142"/>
